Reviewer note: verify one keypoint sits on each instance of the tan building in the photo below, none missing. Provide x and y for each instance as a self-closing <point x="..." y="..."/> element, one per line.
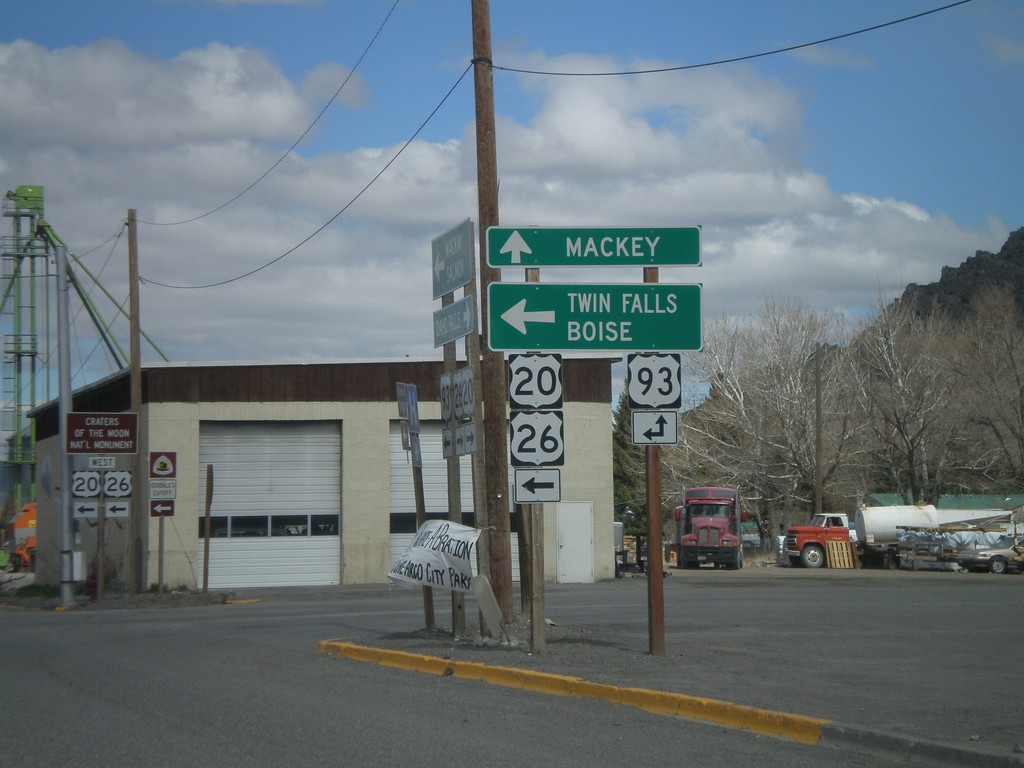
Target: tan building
<point x="311" y="484"/>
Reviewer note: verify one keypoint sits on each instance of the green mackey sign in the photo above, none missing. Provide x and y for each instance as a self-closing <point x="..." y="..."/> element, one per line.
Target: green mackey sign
<point x="593" y="247"/>
<point x="598" y="316"/>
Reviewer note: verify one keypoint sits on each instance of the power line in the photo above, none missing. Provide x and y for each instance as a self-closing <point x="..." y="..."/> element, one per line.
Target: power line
<point x="344" y="208"/>
<point x="531" y="72"/>
<point x="293" y="146"/>
<point x="735" y="58"/>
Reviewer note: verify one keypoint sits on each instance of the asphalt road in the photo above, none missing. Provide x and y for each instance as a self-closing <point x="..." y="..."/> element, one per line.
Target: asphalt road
<point x="930" y="656"/>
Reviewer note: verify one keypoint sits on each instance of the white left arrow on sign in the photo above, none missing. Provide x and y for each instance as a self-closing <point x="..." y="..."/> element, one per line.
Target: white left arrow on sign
<point x="518" y="316"/>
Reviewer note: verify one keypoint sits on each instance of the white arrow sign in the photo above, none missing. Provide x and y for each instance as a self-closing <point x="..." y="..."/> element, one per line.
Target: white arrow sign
<point x="518" y="316"/>
<point x="452" y="255"/>
<point x="116" y="509"/>
<point x="84" y="510"/>
<point x="536" y="486"/>
<point x="655" y="427"/>
<point x="516" y="246"/>
<point x="454" y="321"/>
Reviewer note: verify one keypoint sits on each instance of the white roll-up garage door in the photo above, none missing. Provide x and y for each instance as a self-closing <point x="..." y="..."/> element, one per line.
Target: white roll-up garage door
<point x="276" y="511"/>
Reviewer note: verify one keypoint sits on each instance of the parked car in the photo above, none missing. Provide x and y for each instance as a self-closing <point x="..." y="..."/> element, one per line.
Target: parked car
<point x="1004" y="556"/>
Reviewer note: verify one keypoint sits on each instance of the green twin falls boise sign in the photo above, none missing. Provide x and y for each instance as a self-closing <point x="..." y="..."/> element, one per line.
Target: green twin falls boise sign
<point x="617" y="317"/>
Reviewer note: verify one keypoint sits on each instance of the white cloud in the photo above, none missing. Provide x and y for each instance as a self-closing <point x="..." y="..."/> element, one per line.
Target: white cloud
<point x="105" y="95"/>
<point x="1007" y="50"/>
<point x="324" y="81"/>
<point x="105" y="129"/>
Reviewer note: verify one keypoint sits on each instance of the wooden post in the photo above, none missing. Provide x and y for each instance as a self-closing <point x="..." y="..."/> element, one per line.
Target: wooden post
<point x="655" y="564"/>
<point x="454" y="468"/>
<point x="531" y="567"/>
<point x="538" y="629"/>
<point x="101" y="534"/>
<point x="817" y="430"/>
<point x="206" y="528"/>
<point x="160" y="575"/>
<point x="421" y="518"/>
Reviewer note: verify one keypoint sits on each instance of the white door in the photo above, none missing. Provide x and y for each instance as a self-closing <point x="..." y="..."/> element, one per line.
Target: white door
<point x="575" y="559"/>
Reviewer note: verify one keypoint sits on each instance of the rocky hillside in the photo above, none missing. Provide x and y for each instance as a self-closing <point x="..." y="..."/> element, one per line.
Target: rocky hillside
<point x="958" y="286"/>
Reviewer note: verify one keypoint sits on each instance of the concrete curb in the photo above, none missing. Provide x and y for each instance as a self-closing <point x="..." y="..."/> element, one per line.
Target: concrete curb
<point x="783" y="725"/>
<point x="799" y="728"/>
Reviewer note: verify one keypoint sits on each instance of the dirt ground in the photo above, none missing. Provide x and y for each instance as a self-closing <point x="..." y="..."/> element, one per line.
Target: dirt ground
<point x="18" y="590"/>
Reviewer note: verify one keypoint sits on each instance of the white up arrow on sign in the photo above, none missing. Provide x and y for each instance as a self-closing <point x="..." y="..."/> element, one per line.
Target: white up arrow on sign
<point x="516" y="246"/>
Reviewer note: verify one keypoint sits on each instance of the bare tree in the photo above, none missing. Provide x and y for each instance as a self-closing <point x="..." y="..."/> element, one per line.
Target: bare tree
<point x="913" y="397"/>
<point x="718" y="438"/>
<point x="992" y="360"/>
<point x="756" y="427"/>
<point x="912" y="403"/>
<point x="804" y="353"/>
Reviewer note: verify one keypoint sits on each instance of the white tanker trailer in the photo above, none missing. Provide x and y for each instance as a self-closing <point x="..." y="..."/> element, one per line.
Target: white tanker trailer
<point x="879" y="528"/>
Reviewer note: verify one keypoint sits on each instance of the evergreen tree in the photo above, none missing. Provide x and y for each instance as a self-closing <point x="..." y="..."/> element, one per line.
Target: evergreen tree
<point x="628" y="473"/>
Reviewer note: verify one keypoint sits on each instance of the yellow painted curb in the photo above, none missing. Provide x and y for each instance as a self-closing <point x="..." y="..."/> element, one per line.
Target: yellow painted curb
<point x="782" y="725"/>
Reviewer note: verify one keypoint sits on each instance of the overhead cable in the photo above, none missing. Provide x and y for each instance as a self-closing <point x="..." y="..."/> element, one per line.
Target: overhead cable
<point x="735" y="59"/>
<point x="530" y="72"/>
<point x="293" y="146"/>
<point x="327" y="223"/>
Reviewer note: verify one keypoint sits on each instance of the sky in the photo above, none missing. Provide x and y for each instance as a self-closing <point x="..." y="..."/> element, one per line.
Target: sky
<point x="290" y="162"/>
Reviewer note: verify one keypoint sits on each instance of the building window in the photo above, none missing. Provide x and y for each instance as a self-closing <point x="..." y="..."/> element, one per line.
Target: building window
<point x="289" y="525"/>
<point x="243" y="526"/>
<point x="324" y="525"/>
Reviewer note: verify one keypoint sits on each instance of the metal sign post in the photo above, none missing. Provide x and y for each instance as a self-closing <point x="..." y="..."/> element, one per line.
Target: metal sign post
<point x="163" y="490"/>
<point x="649" y="317"/>
<point x="453" y="266"/>
<point x="410" y="413"/>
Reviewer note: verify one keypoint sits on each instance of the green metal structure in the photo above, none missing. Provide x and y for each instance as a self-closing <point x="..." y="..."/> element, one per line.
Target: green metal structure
<point x="25" y="266"/>
<point x="29" y="263"/>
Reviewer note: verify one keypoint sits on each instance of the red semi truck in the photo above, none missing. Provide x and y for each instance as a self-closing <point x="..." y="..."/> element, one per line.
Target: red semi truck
<point x="708" y="528"/>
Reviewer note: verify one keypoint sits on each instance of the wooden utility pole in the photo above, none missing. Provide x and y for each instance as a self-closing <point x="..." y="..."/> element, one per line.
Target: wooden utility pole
<point x="493" y="363"/>
<point x="137" y="516"/>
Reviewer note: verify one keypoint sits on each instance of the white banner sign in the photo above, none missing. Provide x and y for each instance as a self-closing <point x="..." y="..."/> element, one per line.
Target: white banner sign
<point x="440" y="556"/>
